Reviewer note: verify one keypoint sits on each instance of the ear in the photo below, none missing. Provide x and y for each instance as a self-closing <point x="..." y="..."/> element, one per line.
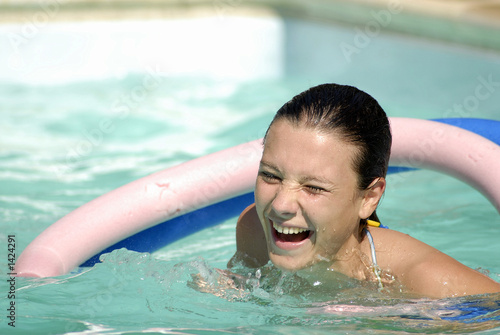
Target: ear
<point x="371" y="197"/>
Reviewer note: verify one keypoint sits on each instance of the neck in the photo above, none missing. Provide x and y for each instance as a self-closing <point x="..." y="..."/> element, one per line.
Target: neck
<point x="353" y="258"/>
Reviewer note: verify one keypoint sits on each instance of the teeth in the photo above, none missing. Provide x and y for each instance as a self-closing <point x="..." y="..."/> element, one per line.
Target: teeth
<point x="288" y="230"/>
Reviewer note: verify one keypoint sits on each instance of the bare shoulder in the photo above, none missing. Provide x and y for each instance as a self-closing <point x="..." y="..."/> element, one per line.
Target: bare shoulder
<point x="251" y="246"/>
<point x="425" y="270"/>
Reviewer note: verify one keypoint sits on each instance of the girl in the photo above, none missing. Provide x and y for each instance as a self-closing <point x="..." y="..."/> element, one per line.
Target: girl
<point x="321" y="177"/>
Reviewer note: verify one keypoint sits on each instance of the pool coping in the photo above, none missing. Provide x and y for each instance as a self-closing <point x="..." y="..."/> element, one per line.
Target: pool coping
<point x="469" y="22"/>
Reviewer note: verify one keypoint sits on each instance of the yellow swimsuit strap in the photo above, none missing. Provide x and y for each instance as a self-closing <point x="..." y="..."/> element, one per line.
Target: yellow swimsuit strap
<point x="373" y="223"/>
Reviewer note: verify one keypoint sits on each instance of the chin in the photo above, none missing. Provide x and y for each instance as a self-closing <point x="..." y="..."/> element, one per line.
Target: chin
<point x="289" y="263"/>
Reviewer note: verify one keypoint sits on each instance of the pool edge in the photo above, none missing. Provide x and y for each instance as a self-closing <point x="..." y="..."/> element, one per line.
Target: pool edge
<point x="456" y="21"/>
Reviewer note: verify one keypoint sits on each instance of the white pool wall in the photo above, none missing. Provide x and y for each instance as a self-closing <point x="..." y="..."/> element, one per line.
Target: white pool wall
<point x="240" y="48"/>
<point x="54" y="41"/>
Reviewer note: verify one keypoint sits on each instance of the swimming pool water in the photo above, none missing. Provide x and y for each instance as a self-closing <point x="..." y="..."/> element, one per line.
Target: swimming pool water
<point x="62" y="145"/>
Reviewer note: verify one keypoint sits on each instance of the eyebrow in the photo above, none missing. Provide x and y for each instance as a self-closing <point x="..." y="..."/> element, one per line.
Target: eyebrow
<point x="270" y="166"/>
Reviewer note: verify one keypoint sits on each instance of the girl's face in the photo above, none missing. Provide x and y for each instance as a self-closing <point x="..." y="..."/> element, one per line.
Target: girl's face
<point x="307" y="196"/>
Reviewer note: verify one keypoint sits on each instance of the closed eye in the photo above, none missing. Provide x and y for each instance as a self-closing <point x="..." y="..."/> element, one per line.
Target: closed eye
<point x="315" y="189"/>
<point x="269" y="177"/>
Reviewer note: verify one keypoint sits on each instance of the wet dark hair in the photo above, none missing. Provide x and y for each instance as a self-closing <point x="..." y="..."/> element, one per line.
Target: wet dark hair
<point x="355" y="116"/>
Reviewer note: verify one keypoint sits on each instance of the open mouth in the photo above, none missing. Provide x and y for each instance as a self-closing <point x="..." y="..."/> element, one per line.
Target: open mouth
<point x="290" y="234"/>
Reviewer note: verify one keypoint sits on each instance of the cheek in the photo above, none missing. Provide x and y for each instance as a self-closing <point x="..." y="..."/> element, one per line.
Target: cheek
<point x="335" y="217"/>
<point x="263" y="192"/>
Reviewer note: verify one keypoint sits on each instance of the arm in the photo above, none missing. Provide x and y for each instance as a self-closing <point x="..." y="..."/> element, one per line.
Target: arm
<point x="251" y="246"/>
<point x="426" y="271"/>
<point x="439" y="275"/>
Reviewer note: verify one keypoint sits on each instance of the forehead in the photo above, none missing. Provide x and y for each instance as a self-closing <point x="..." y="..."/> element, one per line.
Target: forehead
<point x="308" y="151"/>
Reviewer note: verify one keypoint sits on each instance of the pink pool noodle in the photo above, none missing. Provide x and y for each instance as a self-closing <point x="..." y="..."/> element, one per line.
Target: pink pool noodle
<point x="164" y="195"/>
<point x="139" y="205"/>
<point x="451" y="150"/>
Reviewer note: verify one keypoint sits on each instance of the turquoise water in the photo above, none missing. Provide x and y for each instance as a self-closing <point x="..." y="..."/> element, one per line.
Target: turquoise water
<point x="63" y="145"/>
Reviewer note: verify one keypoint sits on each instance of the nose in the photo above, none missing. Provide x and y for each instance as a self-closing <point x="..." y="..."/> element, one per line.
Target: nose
<point x="285" y="203"/>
